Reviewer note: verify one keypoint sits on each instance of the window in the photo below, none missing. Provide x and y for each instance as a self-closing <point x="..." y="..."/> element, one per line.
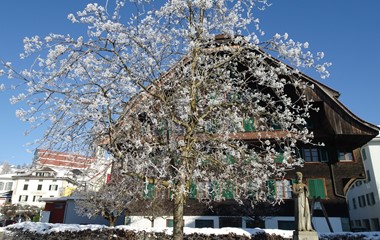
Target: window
<point x="258" y="223"/>
<point x="375" y="224"/>
<point x="8" y="186"/>
<point x="366" y="224"/>
<point x="370" y="199"/>
<point x="169" y="223"/>
<point x="193" y="191"/>
<point x="345" y="156"/>
<point x="315" y="155"/>
<point x="283" y="189"/>
<point x="368" y="176"/>
<point x="230" y="222"/>
<point x="358" y="223"/>
<point x="354" y="203"/>
<point x="23" y="198"/>
<point x="249" y="124"/>
<point x="228" y="191"/>
<point x="286" y="225"/>
<point x="1" y="186"/>
<point x="317" y="188"/>
<point x="39" y="187"/>
<point x="36" y="198"/>
<point x="279" y="157"/>
<point x="53" y="187"/>
<point x="364" y="154"/>
<point x="40" y="180"/>
<point x="362" y="202"/>
<point x="203" y="223"/>
<point x="149" y="191"/>
<point x="25" y="187"/>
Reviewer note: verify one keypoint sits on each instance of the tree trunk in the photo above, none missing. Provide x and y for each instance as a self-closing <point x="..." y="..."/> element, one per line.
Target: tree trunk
<point x="112" y="221"/>
<point x="179" y="203"/>
<point x="152" y="222"/>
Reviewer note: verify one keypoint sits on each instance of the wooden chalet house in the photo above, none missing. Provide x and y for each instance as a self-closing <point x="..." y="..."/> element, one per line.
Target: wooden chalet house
<point x="328" y="170"/>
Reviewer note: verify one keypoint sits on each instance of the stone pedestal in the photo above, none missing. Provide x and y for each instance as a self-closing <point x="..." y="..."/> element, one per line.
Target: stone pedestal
<point x="305" y="235"/>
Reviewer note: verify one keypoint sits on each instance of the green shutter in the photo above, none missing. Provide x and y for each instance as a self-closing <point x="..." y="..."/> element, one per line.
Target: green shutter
<point x="276" y="126"/>
<point x="230" y="159"/>
<point x="271" y="188"/>
<point x="279" y="157"/>
<point x="193" y="190"/>
<point x="316" y="188"/>
<point x="169" y="223"/>
<point x="249" y="124"/>
<point x="324" y="155"/>
<point x="149" y="191"/>
<point x="228" y="190"/>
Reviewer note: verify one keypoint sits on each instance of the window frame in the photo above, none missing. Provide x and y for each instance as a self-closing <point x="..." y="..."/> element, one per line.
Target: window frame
<point x="53" y="187"/>
<point x="23" y="198"/>
<point x="348" y="156"/>
<point x="315" y="154"/>
<point x="285" y="188"/>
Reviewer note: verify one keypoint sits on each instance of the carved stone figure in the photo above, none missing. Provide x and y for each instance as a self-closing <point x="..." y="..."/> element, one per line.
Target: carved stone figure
<point x="302" y="209"/>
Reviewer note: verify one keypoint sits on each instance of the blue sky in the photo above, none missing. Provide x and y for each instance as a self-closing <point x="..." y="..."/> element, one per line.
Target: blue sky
<point x="348" y="31"/>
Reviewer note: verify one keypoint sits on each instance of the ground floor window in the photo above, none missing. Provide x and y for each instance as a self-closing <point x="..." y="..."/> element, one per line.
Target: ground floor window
<point x="375" y="224"/>
<point x="204" y="223"/>
<point x="366" y="224"/>
<point x="286" y="225"/>
<point x="230" y="222"/>
<point x="169" y="223"/>
<point x="250" y="223"/>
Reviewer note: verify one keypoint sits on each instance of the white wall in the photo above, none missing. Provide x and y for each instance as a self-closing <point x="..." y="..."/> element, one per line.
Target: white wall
<point x="270" y="223"/>
<point x="33" y="189"/>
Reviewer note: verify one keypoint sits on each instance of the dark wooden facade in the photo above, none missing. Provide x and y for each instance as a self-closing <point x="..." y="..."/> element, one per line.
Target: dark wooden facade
<point x="341" y="131"/>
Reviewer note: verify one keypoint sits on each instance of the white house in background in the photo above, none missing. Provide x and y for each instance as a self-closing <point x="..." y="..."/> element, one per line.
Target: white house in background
<point x="363" y="197"/>
<point x="6" y="187"/>
<point x="29" y="187"/>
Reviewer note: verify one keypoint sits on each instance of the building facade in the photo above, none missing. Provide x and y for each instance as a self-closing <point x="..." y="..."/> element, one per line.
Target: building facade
<point x="6" y="188"/>
<point x="30" y="187"/>
<point x="363" y="196"/>
<point x="329" y="171"/>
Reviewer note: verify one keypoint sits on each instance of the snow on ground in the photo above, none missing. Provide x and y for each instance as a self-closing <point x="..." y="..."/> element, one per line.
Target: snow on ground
<point x="45" y="228"/>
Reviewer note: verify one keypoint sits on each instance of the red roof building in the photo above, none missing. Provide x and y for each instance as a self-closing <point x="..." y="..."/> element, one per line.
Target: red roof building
<point x="61" y="160"/>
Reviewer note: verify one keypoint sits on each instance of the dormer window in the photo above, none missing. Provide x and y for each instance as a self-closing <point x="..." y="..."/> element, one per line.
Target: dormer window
<point x="344" y="156"/>
<point x="43" y="174"/>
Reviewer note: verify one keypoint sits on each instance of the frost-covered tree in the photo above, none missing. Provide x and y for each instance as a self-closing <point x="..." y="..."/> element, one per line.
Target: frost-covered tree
<point x="174" y="91"/>
<point x="110" y="201"/>
<point x="6" y="168"/>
